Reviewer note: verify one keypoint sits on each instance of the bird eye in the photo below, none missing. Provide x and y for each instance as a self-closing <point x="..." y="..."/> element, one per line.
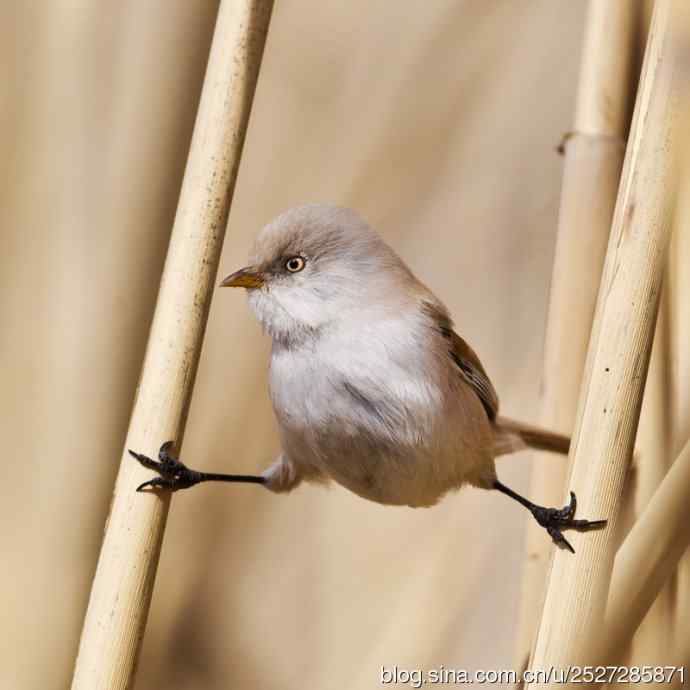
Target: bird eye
<point x="294" y="264"/>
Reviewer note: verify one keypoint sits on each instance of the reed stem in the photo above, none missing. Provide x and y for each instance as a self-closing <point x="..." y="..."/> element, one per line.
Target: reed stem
<point x="592" y="165"/>
<point x="618" y="354"/>
<point x="121" y="591"/>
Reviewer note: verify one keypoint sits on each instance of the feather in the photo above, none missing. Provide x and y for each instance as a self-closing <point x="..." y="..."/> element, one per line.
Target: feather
<point x="469" y="365"/>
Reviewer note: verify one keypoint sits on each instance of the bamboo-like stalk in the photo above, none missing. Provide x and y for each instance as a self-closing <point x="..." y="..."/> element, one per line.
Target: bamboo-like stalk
<point x="653" y="453"/>
<point x="654" y="574"/>
<point x="648" y="557"/>
<point x="593" y="160"/>
<point x="618" y="355"/>
<point x="649" y="580"/>
<point x="121" y="591"/>
<point x="678" y="287"/>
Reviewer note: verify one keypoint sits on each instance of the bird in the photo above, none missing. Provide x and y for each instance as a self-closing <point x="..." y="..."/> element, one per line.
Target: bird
<point x="371" y="386"/>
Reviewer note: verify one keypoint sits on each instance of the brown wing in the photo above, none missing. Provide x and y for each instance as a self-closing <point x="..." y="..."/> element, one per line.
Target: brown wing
<point x="465" y="357"/>
<point x="473" y="372"/>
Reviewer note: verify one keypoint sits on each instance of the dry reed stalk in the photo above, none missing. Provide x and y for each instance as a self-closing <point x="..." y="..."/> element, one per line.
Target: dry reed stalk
<point x="648" y="557"/>
<point x="649" y="585"/>
<point x="679" y="288"/>
<point x="660" y="438"/>
<point x="663" y="636"/>
<point x="121" y="591"/>
<point x="618" y="355"/>
<point x="653" y="453"/>
<point x="593" y="159"/>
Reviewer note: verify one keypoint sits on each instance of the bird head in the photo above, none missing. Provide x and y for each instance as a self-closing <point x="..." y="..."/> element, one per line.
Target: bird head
<point x="314" y="267"/>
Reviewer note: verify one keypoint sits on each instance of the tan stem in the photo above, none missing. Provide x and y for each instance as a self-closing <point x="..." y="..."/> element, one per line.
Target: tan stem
<point x="648" y="557"/>
<point x="618" y="354"/>
<point x="121" y="591"/>
<point x="593" y="160"/>
<point x="653" y="453"/>
<point x="605" y="92"/>
<point x="649" y="580"/>
<point x="678" y="287"/>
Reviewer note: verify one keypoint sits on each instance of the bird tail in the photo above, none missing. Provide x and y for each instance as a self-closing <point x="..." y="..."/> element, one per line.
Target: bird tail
<point x="513" y="436"/>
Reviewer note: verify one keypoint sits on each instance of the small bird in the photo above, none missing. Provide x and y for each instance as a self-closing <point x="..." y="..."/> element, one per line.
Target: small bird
<point x="371" y="386"/>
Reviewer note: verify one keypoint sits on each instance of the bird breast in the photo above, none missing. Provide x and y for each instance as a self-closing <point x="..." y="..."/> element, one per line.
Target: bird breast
<point x="372" y="408"/>
<point x="363" y="380"/>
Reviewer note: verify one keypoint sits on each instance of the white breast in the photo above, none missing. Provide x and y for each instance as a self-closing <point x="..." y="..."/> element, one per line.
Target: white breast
<point x="372" y="375"/>
<point x="362" y="406"/>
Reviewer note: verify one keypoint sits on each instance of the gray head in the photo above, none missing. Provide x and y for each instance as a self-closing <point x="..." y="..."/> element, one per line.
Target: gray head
<point x="316" y="264"/>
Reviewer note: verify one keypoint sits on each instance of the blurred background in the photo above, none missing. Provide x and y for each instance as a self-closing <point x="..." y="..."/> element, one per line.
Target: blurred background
<point x="438" y="122"/>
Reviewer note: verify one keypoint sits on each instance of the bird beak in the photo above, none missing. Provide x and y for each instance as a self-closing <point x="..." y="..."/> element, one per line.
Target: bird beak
<point x="248" y="277"/>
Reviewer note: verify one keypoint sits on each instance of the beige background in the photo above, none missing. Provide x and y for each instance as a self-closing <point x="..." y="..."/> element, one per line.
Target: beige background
<point x="438" y="121"/>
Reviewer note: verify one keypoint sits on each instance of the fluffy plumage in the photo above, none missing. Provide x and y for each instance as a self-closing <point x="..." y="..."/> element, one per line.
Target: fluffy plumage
<point x="370" y="385"/>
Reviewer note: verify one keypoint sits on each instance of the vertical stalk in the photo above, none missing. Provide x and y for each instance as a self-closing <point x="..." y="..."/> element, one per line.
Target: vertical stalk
<point x="645" y="562"/>
<point x="593" y="160"/>
<point x="679" y="289"/>
<point x="618" y="354"/>
<point x="653" y="455"/>
<point x="121" y="592"/>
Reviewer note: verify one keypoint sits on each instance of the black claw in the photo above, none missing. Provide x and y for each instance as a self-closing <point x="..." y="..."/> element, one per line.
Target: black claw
<point x="174" y="475"/>
<point x="164" y="452"/>
<point x="157" y="482"/>
<point x="567" y="512"/>
<point x="555" y="520"/>
<point x="585" y="525"/>
<point x="558" y="538"/>
<point x="564" y="543"/>
<point x="144" y="460"/>
<point x="593" y="524"/>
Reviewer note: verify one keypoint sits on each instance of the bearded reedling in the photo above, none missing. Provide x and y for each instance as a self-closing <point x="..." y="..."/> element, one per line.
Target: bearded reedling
<point x="370" y="384"/>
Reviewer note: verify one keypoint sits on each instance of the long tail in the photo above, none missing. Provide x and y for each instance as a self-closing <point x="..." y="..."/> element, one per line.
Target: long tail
<point x="531" y="436"/>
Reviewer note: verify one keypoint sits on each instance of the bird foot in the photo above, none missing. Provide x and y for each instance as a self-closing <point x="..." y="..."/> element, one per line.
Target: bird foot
<point x="554" y="520"/>
<point x="174" y="474"/>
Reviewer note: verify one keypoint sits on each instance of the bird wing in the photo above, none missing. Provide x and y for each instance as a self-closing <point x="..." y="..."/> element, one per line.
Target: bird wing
<point x="473" y="372"/>
<point x="465" y="357"/>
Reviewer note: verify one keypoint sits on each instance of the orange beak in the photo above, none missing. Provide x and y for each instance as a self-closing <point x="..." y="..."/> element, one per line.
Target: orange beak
<point x="247" y="277"/>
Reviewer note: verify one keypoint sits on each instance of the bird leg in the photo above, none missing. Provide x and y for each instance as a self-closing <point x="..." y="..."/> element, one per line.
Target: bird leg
<point x="553" y="520"/>
<point x="176" y="475"/>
